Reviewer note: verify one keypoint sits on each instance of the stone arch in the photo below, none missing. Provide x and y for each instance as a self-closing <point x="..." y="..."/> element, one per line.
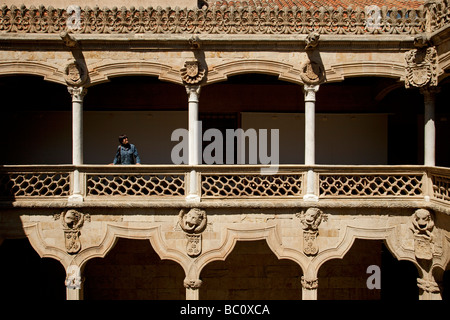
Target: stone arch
<point x="102" y="73"/>
<point x="49" y="72"/>
<point x="351" y="233"/>
<point x="268" y="233"/>
<point x="113" y="232"/>
<point x="284" y="71"/>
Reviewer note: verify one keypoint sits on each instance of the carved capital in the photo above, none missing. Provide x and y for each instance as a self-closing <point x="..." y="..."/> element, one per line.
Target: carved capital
<point x="74" y="280"/>
<point x="309" y="284"/>
<point x="421" y="67"/>
<point x="192" y="283"/>
<point x="428" y="285"/>
<point x="193" y="93"/>
<point x="77" y="93"/>
<point x="310" y="92"/>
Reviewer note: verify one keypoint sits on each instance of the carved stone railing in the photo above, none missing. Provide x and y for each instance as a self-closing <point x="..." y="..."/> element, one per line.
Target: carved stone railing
<point x="225" y="20"/>
<point x="225" y="182"/>
<point x="22" y="182"/>
<point x="362" y="182"/>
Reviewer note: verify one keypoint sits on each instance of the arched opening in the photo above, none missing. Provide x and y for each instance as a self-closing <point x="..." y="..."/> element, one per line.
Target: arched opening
<point x="145" y="108"/>
<point x="36" y="125"/>
<point x="368" y="271"/>
<point x="27" y="276"/>
<point x="132" y="270"/>
<point x="251" y="272"/>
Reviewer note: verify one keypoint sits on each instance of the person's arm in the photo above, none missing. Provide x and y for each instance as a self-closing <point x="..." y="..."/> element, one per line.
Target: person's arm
<point x="136" y="156"/>
<point x="117" y="157"/>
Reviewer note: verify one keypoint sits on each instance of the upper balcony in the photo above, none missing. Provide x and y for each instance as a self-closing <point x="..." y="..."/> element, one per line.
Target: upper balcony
<point x="221" y="186"/>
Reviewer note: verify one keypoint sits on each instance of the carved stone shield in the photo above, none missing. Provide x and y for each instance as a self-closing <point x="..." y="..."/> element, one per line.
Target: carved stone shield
<point x="72" y="241"/>
<point x="422" y="248"/>
<point x="310" y="246"/>
<point x="194" y="244"/>
<point x="420" y="75"/>
<point x="192" y="68"/>
<point x="312" y="72"/>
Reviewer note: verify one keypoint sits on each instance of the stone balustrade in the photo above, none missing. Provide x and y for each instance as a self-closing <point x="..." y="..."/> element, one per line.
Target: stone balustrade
<point x="164" y="184"/>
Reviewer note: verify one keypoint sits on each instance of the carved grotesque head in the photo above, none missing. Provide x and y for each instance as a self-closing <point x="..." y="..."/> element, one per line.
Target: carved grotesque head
<point x="193" y="221"/>
<point x="72" y="219"/>
<point x="422" y="221"/>
<point x="311" y="218"/>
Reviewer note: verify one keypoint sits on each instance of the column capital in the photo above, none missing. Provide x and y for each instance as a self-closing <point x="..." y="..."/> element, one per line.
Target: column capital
<point x="429" y="92"/>
<point x="193" y="91"/>
<point x="192" y="283"/>
<point x="77" y="93"/>
<point x="309" y="284"/>
<point x="74" y="280"/>
<point x="310" y="92"/>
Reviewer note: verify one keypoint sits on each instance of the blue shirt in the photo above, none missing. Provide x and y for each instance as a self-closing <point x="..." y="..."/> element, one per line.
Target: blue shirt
<point x="127" y="154"/>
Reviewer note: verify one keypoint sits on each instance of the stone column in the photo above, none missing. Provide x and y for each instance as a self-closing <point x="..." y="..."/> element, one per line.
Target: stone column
<point x="430" y="128"/>
<point x="78" y="94"/>
<point x="192" y="288"/>
<point x="195" y="131"/>
<point x="309" y="288"/>
<point x="310" y="118"/>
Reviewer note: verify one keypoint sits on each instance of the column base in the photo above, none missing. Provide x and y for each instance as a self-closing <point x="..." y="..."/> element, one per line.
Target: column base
<point x="76" y="198"/>
<point x="311" y="198"/>
<point x="193" y="198"/>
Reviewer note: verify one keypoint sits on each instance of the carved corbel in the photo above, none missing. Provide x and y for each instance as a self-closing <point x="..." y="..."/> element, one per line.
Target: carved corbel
<point x="422" y="225"/>
<point x="312" y="40"/>
<point x="72" y="221"/>
<point x="193" y="223"/>
<point x="310" y="221"/>
<point x="69" y="40"/>
<point x="421" y="65"/>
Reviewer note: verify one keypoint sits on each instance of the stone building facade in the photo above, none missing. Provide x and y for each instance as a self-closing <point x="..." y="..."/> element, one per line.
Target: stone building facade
<point x="337" y="188"/>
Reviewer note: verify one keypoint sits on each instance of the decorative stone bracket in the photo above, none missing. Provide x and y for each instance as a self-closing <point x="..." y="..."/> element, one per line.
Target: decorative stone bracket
<point x="72" y="222"/>
<point x="193" y="223"/>
<point x="427" y="242"/>
<point x="192" y="73"/>
<point x="421" y="67"/>
<point x="310" y="221"/>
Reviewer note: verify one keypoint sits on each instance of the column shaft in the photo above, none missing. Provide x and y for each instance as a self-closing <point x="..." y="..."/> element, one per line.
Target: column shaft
<point x="430" y="128"/>
<point x="310" y="152"/>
